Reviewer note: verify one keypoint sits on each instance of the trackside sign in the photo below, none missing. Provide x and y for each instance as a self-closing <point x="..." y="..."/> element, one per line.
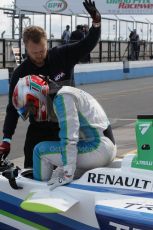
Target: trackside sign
<point x="130" y="6"/>
<point x="70" y="7"/>
<point x="55" y="6"/>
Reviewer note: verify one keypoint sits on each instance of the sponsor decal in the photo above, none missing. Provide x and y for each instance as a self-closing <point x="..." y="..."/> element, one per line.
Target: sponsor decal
<point x="127" y="1"/>
<point x="119" y="181"/>
<point x="144" y="128"/>
<point x="135" y="4"/>
<point x="59" y="76"/>
<point x="127" y="5"/>
<point x="139" y="206"/>
<point x="55" y="6"/>
<point x="146" y="163"/>
<point x="118" y="226"/>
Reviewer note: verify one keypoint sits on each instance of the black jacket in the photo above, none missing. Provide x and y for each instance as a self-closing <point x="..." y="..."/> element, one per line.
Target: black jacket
<point x="59" y="65"/>
<point x="76" y="35"/>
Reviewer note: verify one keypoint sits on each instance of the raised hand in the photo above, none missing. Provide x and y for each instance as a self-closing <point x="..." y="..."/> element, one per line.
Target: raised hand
<point x="92" y="10"/>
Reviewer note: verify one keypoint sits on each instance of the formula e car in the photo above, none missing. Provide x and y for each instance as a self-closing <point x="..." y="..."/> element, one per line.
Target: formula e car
<point x="119" y="196"/>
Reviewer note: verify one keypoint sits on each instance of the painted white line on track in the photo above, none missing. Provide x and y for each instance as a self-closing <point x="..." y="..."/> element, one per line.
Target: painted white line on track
<point x="124" y="119"/>
<point x="134" y="151"/>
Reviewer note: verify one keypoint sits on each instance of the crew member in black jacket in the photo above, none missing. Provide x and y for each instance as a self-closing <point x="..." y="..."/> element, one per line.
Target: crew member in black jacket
<point x="57" y="63"/>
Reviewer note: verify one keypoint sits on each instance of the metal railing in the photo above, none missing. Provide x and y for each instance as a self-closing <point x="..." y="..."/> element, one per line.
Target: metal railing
<point x="105" y="51"/>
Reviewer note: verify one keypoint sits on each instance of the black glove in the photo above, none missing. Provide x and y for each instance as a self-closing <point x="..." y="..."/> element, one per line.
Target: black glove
<point x="4" y="150"/>
<point x="91" y="9"/>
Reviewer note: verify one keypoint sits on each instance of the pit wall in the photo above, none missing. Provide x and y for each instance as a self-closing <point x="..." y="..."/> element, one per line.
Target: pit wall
<point x="97" y="73"/>
<point x="4" y="81"/>
<point x="112" y="71"/>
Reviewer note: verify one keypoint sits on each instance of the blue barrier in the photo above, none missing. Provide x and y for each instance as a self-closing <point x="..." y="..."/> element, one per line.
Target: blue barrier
<point x="4" y="81"/>
<point x="98" y="72"/>
<point x="102" y="72"/>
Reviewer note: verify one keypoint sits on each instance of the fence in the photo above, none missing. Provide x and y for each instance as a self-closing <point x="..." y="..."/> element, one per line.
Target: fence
<point x="105" y="51"/>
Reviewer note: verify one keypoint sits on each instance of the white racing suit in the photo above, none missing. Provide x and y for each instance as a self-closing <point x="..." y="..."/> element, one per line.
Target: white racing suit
<point x="86" y="139"/>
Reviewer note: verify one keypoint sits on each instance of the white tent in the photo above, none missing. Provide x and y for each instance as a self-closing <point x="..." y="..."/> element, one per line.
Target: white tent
<point x="76" y="7"/>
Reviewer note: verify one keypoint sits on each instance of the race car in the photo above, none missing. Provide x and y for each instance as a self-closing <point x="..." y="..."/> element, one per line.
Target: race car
<point x="119" y="196"/>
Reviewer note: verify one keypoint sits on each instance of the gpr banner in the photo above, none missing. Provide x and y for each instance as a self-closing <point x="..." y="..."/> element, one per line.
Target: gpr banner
<point x="76" y="7"/>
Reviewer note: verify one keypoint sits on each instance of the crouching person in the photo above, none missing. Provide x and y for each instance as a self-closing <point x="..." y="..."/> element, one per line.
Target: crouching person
<point x="86" y="138"/>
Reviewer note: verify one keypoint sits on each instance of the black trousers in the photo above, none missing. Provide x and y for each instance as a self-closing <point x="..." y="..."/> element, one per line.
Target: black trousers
<point x="38" y="132"/>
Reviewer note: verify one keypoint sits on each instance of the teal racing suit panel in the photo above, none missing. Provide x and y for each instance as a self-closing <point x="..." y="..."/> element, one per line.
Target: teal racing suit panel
<point x="82" y="123"/>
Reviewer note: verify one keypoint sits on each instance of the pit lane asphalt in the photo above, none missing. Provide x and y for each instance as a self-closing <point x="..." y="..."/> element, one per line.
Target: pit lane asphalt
<point x="122" y="101"/>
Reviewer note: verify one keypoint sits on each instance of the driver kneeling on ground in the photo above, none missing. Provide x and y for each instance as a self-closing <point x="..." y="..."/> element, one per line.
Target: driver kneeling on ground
<point x="86" y="138"/>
